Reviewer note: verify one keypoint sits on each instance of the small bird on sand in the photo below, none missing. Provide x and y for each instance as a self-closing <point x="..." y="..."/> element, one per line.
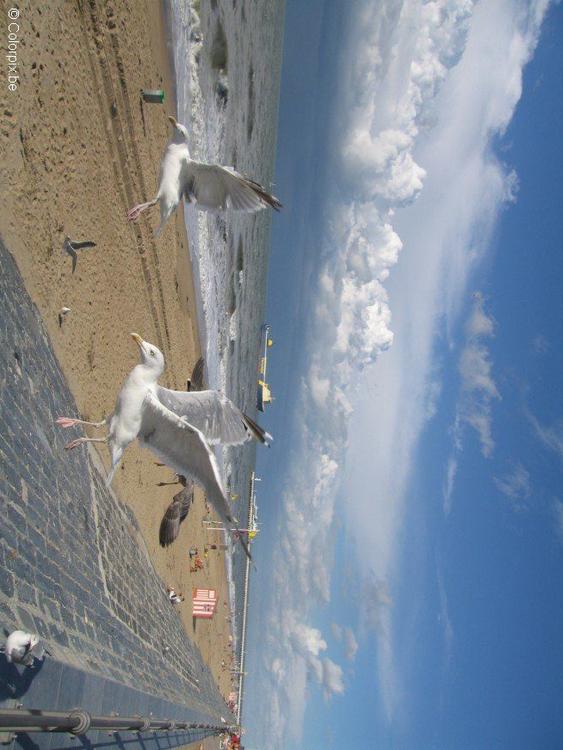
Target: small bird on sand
<point x="23" y="648"/>
<point x="71" y="247"/>
<point x="177" y="426"/>
<point x="62" y="313"/>
<point x="210" y="187"/>
<point x="176" y="512"/>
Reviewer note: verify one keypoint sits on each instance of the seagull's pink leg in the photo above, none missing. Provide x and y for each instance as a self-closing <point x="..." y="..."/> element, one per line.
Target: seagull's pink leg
<point x="134" y="213"/>
<point x="78" y="441"/>
<point x="69" y="422"/>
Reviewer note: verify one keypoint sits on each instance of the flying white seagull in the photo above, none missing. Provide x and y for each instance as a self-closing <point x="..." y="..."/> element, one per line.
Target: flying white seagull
<point x="177" y="426"/>
<point x="23" y="648"/>
<point x="210" y="187"/>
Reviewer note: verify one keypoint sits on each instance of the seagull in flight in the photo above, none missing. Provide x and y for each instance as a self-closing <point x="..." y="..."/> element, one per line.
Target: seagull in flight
<point x="210" y="187"/>
<point x="176" y="511"/>
<point x="179" y="427"/>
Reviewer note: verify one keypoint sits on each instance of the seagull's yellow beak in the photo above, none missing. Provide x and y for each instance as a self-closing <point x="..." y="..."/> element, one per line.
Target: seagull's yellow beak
<point x="173" y="120"/>
<point x="137" y="339"/>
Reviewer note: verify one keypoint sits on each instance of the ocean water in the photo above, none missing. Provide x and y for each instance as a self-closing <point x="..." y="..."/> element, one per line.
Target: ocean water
<point x="227" y="59"/>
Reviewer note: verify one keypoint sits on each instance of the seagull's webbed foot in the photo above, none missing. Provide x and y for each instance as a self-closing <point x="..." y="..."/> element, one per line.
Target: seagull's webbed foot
<point x="66" y="422"/>
<point x="134" y="213"/>
<point x="78" y="441"/>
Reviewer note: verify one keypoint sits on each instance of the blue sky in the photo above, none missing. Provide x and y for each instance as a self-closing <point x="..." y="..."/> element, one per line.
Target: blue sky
<point x="408" y="586"/>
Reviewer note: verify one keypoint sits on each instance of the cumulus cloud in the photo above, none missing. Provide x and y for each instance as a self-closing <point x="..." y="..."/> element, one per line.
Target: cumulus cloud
<point x="412" y="169"/>
<point x="332" y="679"/>
<point x="515" y="485"/>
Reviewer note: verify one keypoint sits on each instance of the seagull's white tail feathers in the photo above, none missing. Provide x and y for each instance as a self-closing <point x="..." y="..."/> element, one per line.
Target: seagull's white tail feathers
<point x="167" y="208"/>
<point x="116" y="453"/>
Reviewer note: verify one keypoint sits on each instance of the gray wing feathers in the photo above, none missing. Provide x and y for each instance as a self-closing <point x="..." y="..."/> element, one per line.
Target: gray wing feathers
<point x="216" y="188"/>
<point x="183" y="448"/>
<point x="210" y="412"/>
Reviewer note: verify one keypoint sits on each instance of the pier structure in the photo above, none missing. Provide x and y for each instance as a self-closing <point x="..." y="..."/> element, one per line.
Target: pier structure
<point x="253" y="525"/>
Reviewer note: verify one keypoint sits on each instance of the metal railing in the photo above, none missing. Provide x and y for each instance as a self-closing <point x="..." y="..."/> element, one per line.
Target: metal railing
<point x="79" y="721"/>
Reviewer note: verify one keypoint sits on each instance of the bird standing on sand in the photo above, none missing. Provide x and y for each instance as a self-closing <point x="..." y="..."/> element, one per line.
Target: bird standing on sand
<point x="176" y="512"/>
<point x="23" y="648"/>
<point x="178" y="427"/>
<point x="210" y="187"/>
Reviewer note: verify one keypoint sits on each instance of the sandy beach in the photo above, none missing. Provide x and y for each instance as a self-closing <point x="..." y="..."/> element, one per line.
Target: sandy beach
<point x="78" y="150"/>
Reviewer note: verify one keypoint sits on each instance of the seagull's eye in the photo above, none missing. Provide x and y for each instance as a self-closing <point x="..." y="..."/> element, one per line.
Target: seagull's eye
<point x="152" y="353"/>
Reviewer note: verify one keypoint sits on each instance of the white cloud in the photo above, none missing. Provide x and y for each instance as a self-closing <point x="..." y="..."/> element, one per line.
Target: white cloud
<point x="515" y="485"/>
<point x="409" y="126"/>
<point x="449" y="481"/>
<point x="477" y="392"/>
<point x="346" y="635"/>
<point x="444" y="234"/>
<point x="350" y="644"/>
<point x="551" y="436"/>
<point x="332" y="678"/>
<point x="444" y="618"/>
<point x="477" y="384"/>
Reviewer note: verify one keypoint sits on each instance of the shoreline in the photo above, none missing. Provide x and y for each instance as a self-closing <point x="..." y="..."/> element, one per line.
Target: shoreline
<point x="79" y="150"/>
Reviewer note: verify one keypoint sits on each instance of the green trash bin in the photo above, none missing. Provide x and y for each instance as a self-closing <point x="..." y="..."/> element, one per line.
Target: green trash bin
<point x="152" y="96"/>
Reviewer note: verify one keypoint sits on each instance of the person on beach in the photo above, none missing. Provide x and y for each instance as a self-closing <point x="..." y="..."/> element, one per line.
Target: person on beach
<point x="175" y="598"/>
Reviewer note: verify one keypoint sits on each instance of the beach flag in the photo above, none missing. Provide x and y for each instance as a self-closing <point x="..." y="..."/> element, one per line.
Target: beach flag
<point x="204" y="602"/>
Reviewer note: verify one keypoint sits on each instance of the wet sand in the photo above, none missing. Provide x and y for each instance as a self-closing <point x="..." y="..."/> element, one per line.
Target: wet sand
<point x="79" y="150"/>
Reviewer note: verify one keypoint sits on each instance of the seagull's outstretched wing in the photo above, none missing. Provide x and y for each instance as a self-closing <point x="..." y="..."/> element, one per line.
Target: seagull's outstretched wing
<point x="175" y="514"/>
<point x="215" y="188"/>
<point x="184" y="449"/>
<point x="213" y="414"/>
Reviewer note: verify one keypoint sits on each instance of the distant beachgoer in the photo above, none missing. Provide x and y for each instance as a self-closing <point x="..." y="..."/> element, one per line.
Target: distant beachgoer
<point x="175" y="598"/>
<point x="193" y="552"/>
